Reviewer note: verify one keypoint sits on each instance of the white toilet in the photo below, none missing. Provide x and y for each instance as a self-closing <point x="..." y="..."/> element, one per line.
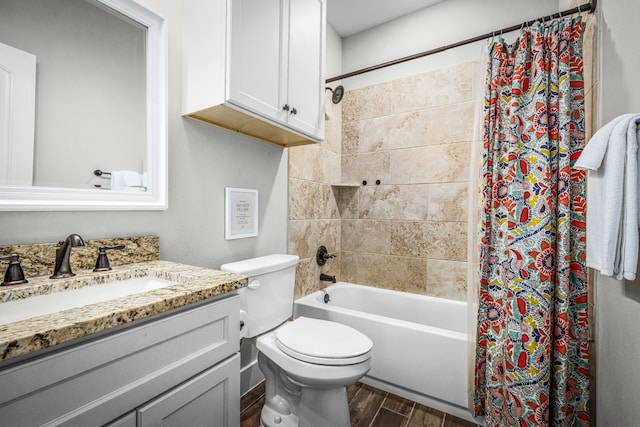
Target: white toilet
<point x="307" y="363"/>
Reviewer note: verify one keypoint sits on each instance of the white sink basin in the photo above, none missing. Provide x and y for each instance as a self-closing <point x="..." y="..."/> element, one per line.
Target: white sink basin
<point x="26" y="308"/>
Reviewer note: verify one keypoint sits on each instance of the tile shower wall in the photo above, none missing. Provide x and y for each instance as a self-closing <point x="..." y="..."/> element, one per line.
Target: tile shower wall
<point x="314" y="219"/>
<point x="409" y="232"/>
<point x="413" y="134"/>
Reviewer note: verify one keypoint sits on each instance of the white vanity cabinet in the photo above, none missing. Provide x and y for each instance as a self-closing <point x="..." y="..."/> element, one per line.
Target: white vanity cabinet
<point x="201" y="401"/>
<point x="180" y="368"/>
<point x="256" y="67"/>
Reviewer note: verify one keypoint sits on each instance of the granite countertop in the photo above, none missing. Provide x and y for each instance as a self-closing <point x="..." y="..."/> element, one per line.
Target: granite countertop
<point x="37" y="333"/>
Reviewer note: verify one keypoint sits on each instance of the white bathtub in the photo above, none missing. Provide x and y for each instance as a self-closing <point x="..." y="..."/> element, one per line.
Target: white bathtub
<point x="419" y="342"/>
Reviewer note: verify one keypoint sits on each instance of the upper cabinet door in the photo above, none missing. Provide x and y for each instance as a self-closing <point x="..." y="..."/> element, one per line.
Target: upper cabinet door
<point x="256" y="67"/>
<point x="305" y="80"/>
<point x="257" y="57"/>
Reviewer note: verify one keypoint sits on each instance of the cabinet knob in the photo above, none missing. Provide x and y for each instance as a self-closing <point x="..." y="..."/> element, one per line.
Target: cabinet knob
<point x="294" y="111"/>
<point x="286" y="107"/>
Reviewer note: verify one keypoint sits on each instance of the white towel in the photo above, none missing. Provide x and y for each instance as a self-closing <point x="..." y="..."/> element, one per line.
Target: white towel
<point x="612" y="210"/>
<point x="128" y="181"/>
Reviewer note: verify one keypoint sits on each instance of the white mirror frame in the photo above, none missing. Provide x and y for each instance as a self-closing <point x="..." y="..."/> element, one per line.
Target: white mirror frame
<point x="20" y="198"/>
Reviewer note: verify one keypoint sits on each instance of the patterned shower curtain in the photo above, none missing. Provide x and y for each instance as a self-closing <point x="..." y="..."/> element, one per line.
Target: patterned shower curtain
<point x="532" y="354"/>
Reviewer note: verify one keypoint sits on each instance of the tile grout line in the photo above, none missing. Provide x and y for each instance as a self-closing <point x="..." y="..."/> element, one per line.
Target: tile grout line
<point x="396" y="412"/>
<point x="376" y="415"/>
<point x="378" y="409"/>
<point x="413" y="408"/>
<point x="248" y="405"/>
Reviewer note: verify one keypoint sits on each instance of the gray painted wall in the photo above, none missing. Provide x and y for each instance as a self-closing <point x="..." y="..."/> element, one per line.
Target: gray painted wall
<point x="618" y="303"/>
<point x="203" y="160"/>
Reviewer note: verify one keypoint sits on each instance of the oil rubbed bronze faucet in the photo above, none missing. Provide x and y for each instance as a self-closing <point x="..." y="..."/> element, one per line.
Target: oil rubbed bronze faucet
<point x="14" y="274"/>
<point x="327" y="278"/>
<point x="322" y="255"/>
<point x="63" y="253"/>
<point x="102" y="263"/>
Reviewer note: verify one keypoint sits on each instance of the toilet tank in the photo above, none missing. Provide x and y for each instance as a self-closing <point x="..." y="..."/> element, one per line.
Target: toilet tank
<point x="268" y="300"/>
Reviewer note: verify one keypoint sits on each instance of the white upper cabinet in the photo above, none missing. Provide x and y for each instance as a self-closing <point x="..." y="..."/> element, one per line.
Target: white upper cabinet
<point x="306" y="66"/>
<point x="256" y="67"/>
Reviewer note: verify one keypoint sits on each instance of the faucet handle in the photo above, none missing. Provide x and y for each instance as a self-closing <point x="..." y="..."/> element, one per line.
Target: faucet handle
<point x="102" y="263"/>
<point x="322" y="255"/>
<point x="14" y="274"/>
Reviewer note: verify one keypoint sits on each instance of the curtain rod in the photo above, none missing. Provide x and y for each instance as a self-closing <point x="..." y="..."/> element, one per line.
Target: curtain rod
<point x="587" y="7"/>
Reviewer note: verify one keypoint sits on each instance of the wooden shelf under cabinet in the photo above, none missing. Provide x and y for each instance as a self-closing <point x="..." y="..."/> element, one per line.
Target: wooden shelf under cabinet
<point x="246" y="124"/>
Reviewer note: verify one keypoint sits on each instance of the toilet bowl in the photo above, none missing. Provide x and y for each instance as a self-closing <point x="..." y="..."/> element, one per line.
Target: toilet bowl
<point x="307" y="363"/>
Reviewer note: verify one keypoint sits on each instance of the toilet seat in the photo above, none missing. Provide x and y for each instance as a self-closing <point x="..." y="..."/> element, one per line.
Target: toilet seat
<point x="323" y="342"/>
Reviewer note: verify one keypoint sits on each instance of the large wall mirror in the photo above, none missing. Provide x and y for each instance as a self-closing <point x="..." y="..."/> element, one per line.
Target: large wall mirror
<point x="83" y="105"/>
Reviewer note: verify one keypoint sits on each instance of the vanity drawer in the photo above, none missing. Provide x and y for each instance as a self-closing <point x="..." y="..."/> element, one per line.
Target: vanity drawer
<point x="94" y="382"/>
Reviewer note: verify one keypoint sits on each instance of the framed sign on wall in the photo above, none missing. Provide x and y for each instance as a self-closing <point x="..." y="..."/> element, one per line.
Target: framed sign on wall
<point x="241" y="213"/>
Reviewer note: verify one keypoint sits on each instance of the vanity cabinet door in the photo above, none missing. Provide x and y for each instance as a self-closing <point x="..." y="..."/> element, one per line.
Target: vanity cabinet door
<point x="128" y="420"/>
<point x="209" y="399"/>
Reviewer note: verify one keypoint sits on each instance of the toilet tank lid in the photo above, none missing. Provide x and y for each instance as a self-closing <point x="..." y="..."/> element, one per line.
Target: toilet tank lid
<point x="261" y="265"/>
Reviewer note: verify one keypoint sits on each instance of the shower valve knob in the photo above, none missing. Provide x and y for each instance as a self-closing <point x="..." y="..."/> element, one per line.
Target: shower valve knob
<point x="322" y="255"/>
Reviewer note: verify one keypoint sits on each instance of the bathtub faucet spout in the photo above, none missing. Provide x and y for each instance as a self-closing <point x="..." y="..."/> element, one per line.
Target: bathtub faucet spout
<point x="327" y="278"/>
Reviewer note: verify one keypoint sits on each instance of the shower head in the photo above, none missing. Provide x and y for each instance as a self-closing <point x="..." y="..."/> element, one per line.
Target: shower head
<point x="337" y="94"/>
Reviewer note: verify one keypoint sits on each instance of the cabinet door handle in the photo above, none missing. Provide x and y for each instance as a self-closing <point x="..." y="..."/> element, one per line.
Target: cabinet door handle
<point x="286" y="107"/>
<point x="294" y="111"/>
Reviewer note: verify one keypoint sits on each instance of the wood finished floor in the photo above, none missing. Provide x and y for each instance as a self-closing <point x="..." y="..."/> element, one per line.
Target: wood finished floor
<point x="369" y="407"/>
